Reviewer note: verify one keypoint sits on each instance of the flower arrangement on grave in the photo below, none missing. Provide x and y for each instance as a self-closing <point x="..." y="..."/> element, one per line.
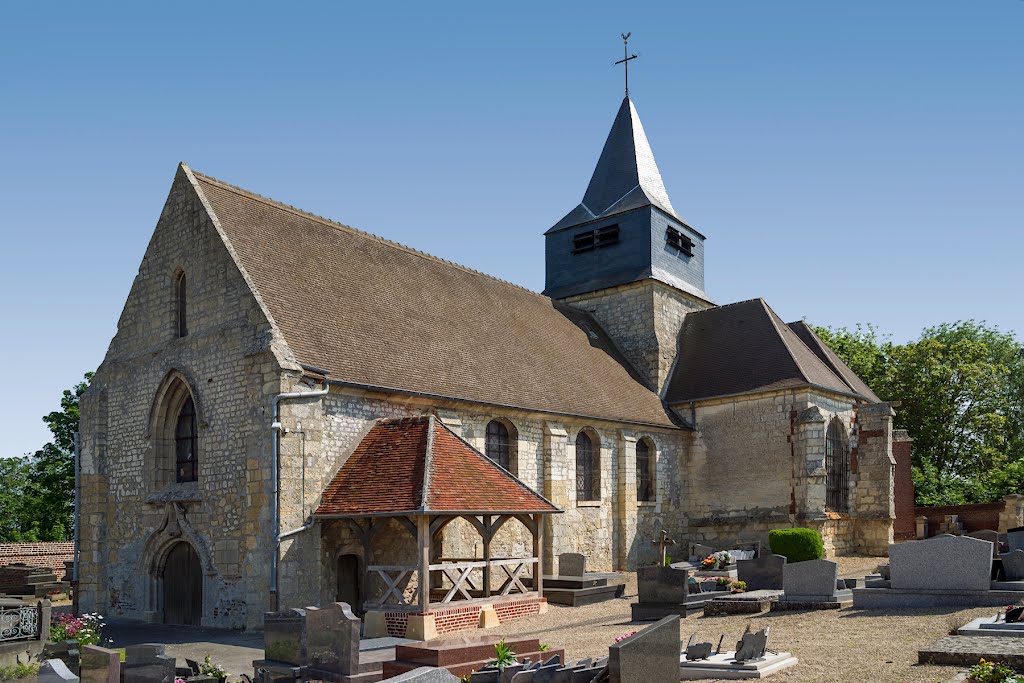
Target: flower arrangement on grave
<point x="992" y="672"/>
<point x="208" y="668"/>
<point x="619" y="639"/>
<point x="717" y="560"/>
<point x="503" y="655"/>
<point x="739" y="587"/>
<point x="723" y="582"/>
<point x="86" y="629"/>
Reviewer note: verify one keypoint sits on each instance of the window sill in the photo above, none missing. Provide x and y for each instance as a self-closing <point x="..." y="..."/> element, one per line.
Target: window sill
<point x="184" y="492"/>
<point x="588" y="503"/>
<point x="646" y="503"/>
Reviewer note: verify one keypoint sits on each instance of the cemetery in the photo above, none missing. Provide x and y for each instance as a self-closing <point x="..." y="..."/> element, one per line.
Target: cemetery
<point x="945" y="604"/>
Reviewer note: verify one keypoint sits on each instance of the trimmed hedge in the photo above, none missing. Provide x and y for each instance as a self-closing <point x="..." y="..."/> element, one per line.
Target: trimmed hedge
<point x="797" y="545"/>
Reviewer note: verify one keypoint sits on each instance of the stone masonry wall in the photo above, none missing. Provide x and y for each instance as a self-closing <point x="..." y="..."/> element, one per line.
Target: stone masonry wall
<point x="757" y="463"/>
<point x="231" y="361"/>
<point x="643" y="319"/>
<point x="332" y="429"/>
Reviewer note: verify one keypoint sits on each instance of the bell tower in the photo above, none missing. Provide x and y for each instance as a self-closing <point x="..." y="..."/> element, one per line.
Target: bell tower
<point x="624" y="255"/>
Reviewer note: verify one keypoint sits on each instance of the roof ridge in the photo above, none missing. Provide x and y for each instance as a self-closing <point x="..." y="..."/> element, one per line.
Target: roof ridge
<point x="782" y="337"/>
<point x="356" y="231"/>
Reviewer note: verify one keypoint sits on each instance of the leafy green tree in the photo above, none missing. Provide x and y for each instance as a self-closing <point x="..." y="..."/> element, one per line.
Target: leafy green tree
<point x="961" y="389"/>
<point x="38" y="492"/>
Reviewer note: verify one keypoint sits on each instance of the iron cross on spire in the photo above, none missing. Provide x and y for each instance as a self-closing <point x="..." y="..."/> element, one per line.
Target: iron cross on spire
<point x="626" y="57"/>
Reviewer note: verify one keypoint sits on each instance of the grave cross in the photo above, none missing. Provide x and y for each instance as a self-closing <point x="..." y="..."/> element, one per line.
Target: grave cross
<point x="626" y="57"/>
<point x="663" y="543"/>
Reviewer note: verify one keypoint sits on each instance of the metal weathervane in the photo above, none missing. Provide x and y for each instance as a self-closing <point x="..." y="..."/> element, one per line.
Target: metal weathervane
<point x="626" y="57"/>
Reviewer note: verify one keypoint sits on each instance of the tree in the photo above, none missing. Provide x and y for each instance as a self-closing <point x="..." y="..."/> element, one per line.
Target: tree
<point x="37" y="500"/>
<point x="961" y="388"/>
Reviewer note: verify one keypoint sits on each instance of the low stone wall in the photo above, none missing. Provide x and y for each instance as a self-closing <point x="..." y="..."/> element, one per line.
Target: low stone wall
<point x="49" y="555"/>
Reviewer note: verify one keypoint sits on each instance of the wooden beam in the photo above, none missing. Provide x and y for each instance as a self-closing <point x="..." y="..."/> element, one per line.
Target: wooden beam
<point x="487" y="535"/>
<point x="423" y="541"/>
<point x="409" y="525"/>
<point x="538" y="552"/>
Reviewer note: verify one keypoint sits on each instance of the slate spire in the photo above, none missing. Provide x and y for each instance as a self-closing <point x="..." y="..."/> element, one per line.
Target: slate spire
<point x="626" y="165"/>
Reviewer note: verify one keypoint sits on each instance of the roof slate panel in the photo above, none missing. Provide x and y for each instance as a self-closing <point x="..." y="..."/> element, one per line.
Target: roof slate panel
<point x="829" y="357"/>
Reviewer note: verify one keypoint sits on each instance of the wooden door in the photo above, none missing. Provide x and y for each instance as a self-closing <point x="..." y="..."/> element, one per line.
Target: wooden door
<point x="348" y="582"/>
<point x="183" y="586"/>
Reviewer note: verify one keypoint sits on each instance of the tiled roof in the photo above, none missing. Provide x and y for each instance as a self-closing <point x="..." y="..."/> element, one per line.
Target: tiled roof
<point x="741" y="348"/>
<point x="834" y="362"/>
<point x="418" y="465"/>
<point x="377" y="314"/>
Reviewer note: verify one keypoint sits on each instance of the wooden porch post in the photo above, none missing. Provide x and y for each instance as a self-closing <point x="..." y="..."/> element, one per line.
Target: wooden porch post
<point x="538" y="552"/>
<point x="487" y="556"/>
<point x="423" y="541"/>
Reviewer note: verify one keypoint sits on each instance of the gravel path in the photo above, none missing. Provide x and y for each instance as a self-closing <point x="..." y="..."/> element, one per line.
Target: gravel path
<point x="832" y="645"/>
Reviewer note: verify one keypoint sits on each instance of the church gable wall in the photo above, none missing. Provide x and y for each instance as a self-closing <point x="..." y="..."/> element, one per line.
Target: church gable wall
<point x="230" y="373"/>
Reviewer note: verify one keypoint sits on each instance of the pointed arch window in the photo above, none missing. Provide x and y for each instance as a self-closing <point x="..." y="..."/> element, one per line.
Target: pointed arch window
<point x="588" y="483"/>
<point x="498" y="445"/>
<point x="181" y="306"/>
<point x="186" y="443"/>
<point x="646" y="483"/>
<point x="837" y="468"/>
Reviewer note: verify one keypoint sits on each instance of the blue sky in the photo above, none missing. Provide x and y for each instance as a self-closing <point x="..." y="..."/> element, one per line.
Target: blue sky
<point x="849" y="162"/>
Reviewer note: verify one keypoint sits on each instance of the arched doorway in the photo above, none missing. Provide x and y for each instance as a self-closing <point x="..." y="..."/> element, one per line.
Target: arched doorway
<point x="348" y="582"/>
<point x="183" y="586"/>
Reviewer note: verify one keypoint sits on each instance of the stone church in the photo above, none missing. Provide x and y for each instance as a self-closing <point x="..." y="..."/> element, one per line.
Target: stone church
<point x="293" y="410"/>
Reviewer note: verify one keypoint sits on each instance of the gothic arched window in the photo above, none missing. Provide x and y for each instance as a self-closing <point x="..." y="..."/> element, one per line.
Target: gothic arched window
<point x="180" y="306"/>
<point x="186" y="443"/>
<point x="837" y="468"/>
<point x="588" y="473"/>
<point x="646" y="467"/>
<point x="499" y="444"/>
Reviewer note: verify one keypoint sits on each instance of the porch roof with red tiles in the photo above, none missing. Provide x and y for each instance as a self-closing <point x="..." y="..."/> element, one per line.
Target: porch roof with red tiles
<point x="417" y="465"/>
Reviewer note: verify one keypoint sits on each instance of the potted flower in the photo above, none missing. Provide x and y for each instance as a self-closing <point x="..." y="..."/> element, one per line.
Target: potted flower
<point x="992" y="672"/>
<point x="739" y="587"/>
<point x="715" y="561"/>
<point x="208" y="668"/>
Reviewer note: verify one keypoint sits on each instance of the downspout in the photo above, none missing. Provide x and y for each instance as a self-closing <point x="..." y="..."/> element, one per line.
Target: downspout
<point x="275" y="475"/>
<point x="78" y="509"/>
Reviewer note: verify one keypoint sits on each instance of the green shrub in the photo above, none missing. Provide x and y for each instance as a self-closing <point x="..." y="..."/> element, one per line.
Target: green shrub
<point x="797" y="545"/>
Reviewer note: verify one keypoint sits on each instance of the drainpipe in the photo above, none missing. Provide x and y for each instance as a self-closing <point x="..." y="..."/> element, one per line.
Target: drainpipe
<point x="78" y="509"/>
<point x="275" y="475"/>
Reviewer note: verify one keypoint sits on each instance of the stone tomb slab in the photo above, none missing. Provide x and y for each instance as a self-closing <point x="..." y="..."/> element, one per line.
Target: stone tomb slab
<point x="966" y="651"/>
<point x="762" y="573"/>
<point x="572" y="564"/>
<point x="750" y="602"/>
<point x="100" y="665"/>
<point x="425" y="674"/>
<point x="462" y="654"/>
<point x="56" y="671"/>
<point x="992" y="626"/>
<point x="1013" y="565"/>
<point x="887" y="598"/>
<point x="987" y="535"/>
<point x="1015" y="538"/>
<point x="723" y="666"/>
<point x="813" y="581"/>
<point x="941" y="563"/>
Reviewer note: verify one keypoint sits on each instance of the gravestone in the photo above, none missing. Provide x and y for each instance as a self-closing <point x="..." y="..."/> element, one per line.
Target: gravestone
<point x="762" y="573"/>
<point x="284" y="636"/>
<point x="56" y="671"/>
<point x="752" y="645"/>
<point x="649" y="655"/>
<point x="147" y="663"/>
<point x="987" y="535"/>
<point x="332" y="639"/>
<point x="695" y="651"/>
<point x="572" y="564"/>
<point x="698" y="551"/>
<point x="1015" y="538"/>
<point x="1013" y="565"/>
<point x="810" y="581"/>
<point x="661" y="585"/>
<point x="941" y="563"/>
<point x="488" y="674"/>
<point x="100" y="665"/>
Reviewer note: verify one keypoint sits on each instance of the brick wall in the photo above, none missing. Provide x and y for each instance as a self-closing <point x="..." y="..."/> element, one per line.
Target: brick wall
<point x="49" y="555"/>
<point x="509" y="611"/>
<point x="904" y="527"/>
<point x="974" y="517"/>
